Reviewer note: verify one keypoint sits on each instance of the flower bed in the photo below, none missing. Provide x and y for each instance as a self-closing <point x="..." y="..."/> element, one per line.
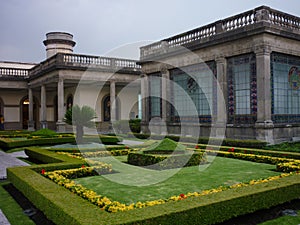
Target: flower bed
<point x="63" y="207"/>
<point x="63" y="178"/>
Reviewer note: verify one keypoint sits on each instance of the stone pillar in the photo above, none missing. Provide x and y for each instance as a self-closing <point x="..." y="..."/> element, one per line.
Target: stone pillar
<point x="220" y="118"/>
<point x="165" y="92"/>
<point x="60" y="124"/>
<point x="264" y="124"/>
<point x="113" y="105"/>
<point x="30" y="119"/>
<point x="145" y="95"/>
<point x="145" y="103"/>
<point x="43" y="107"/>
<point x="165" y="106"/>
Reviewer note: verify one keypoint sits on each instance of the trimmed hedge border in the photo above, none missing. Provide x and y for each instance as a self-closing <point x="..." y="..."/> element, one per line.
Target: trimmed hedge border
<point x="272" y="153"/>
<point x="63" y="207"/>
<point x="162" y="162"/>
<point x="204" y="140"/>
<point x="61" y="140"/>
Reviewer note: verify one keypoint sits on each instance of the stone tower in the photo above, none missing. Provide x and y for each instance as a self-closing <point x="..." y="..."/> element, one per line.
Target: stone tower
<point x="58" y="42"/>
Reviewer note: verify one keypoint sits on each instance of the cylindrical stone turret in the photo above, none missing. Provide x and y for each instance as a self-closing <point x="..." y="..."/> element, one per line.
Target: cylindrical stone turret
<point x="58" y="42"/>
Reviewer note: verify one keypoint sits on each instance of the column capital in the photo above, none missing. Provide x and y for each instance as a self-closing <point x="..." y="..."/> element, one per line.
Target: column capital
<point x="220" y="59"/>
<point x="164" y="69"/>
<point x="262" y="49"/>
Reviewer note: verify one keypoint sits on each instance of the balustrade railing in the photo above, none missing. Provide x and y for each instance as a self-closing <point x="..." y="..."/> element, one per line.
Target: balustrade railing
<point x="69" y="60"/>
<point x="244" y="19"/>
<point x="100" y="61"/>
<point x="13" y="72"/>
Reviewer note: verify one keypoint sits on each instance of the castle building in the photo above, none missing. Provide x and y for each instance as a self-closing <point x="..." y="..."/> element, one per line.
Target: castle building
<point x="34" y="96"/>
<point x="241" y="74"/>
<point x="238" y="77"/>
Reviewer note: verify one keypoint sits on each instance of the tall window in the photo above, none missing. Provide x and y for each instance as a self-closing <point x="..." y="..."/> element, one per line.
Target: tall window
<point x="155" y="95"/>
<point x="242" y="98"/>
<point x="285" y="79"/>
<point x="192" y="91"/>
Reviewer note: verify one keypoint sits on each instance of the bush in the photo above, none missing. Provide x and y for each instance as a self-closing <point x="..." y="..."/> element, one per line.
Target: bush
<point x="43" y="133"/>
<point x="161" y="162"/>
<point x="165" y="146"/>
<point x="63" y="207"/>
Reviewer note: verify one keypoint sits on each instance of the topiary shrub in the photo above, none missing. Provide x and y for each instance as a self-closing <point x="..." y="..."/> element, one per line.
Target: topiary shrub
<point x="165" y="146"/>
<point x="43" y="133"/>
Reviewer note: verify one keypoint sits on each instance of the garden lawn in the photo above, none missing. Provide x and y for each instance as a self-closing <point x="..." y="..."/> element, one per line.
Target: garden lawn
<point x="127" y="186"/>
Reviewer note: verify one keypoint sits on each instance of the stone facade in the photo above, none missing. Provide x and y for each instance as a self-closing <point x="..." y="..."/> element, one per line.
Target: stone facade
<point x="245" y="100"/>
<point x="38" y="95"/>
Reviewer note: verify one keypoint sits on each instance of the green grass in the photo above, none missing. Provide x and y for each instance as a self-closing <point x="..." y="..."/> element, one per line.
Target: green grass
<point x="222" y="172"/>
<point x="11" y="209"/>
<point x="284" y="220"/>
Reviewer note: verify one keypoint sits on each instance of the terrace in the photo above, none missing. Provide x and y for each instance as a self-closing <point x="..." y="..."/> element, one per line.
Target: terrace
<point x="72" y="61"/>
<point x="260" y="19"/>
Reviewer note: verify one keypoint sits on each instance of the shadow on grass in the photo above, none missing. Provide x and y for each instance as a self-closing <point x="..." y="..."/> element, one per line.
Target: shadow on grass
<point x="29" y="209"/>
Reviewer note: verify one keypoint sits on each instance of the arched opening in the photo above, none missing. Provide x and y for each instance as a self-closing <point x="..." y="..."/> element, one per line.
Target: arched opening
<point x="1" y="106"/>
<point x="55" y="109"/>
<point x="25" y="112"/>
<point x="69" y="102"/>
<point x="106" y="108"/>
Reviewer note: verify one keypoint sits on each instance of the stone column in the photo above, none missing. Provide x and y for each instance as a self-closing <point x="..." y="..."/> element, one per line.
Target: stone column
<point x="30" y="119"/>
<point x="165" y="102"/>
<point x="145" y="95"/>
<point x="264" y="124"/>
<point x="145" y="103"/>
<point x="220" y="118"/>
<point x="43" y="107"/>
<point x="113" y="105"/>
<point x="165" y="111"/>
<point x="60" y="124"/>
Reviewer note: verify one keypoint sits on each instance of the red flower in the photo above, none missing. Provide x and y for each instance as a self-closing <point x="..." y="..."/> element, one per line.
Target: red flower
<point x="43" y="171"/>
<point x="232" y="149"/>
<point x="83" y="166"/>
<point x="197" y="147"/>
<point x="126" y="147"/>
<point x="182" y="196"/>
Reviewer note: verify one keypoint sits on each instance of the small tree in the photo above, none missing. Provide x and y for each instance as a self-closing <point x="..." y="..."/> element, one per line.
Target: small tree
<point x="80" y="117"/>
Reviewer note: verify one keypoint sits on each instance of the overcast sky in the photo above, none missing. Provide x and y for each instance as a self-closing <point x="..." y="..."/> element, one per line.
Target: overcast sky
<point x="100" y="26"/>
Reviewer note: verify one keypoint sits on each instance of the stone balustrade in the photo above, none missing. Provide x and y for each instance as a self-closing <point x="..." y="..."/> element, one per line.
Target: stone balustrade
<point x="260" y="14"/>
<point x="68" y="60"/>
<point x="13" y="72"/>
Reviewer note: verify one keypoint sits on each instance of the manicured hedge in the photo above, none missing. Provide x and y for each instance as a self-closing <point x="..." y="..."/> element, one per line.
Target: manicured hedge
<point x="161" y="162"/>
<point x="63" y="207"/>
<point x="281" y="154"/>
<point x="204" y="140"/>
<point x="9" y="144"/>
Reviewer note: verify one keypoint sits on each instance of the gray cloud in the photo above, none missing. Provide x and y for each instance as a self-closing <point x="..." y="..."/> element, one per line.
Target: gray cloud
<point x="101" y="25"/>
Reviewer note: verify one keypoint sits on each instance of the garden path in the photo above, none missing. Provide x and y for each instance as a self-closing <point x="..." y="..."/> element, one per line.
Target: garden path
<point x="10" y="160"/>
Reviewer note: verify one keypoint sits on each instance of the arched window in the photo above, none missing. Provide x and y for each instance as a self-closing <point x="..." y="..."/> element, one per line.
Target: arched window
<point x="106" y="108"/>
<point x="69" y="102"/>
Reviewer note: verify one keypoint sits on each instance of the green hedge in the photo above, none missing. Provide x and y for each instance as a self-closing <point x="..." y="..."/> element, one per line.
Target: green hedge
<point x="281" y="154"/>
<point x="161" y="162"/>
<point x="9" y="144"/>
<point x="204" y="140"/>
<point x="63" y="207"/>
